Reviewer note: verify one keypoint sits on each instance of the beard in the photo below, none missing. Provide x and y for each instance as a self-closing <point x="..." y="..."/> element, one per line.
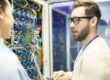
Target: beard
<point x="82" y="34"/>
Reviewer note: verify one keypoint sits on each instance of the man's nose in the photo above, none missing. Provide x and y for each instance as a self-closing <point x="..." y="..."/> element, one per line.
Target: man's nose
<point x="72" y="25"/>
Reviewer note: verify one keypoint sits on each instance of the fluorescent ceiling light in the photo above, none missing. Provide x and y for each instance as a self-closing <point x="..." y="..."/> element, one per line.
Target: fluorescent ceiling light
<point x="62" y="4"/>
<point x="100" y="0"/>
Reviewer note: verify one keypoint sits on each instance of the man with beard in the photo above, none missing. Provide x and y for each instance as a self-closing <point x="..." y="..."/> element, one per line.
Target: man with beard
<point x="93" y="60"/>
<point x="10" y="66"/>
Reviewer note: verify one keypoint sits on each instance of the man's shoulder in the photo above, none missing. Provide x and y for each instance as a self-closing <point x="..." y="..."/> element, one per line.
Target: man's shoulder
<point x="7" y="55"/>
<point x="100" y="43"/>
<point x="98" y="47"/>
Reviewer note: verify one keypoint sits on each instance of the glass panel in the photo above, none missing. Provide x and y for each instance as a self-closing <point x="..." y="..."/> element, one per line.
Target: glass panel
<point x="59" y="41"/>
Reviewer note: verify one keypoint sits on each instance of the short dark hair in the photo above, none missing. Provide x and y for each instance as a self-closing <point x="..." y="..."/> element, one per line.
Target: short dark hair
<point x="91" y="8"/>
<point x="3" y="4"/>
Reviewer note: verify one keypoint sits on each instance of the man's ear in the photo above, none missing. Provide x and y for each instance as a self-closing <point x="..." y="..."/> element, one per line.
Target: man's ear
<point x="1" y="17"/>
<point x="94" y="21"/>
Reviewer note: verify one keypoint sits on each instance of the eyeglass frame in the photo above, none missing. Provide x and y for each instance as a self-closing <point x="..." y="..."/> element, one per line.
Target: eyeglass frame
<point x="76" y="20"/>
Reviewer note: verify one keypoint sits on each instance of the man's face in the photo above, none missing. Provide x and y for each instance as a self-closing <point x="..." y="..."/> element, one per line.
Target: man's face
<point x="80" y="25"/>
<point x="7" y="21"/>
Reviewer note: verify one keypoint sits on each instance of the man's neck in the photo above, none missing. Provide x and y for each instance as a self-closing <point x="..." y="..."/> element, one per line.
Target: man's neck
<point x="88" y="39"/>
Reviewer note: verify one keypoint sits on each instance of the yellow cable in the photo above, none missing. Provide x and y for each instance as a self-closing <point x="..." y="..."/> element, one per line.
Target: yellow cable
<point x="20" y="5"/>
<point x="34" y="12"/>
<point x="39" y="7"/>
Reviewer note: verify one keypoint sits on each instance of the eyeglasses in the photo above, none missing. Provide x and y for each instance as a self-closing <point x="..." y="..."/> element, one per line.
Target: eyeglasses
<point x="76" y="20"/>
